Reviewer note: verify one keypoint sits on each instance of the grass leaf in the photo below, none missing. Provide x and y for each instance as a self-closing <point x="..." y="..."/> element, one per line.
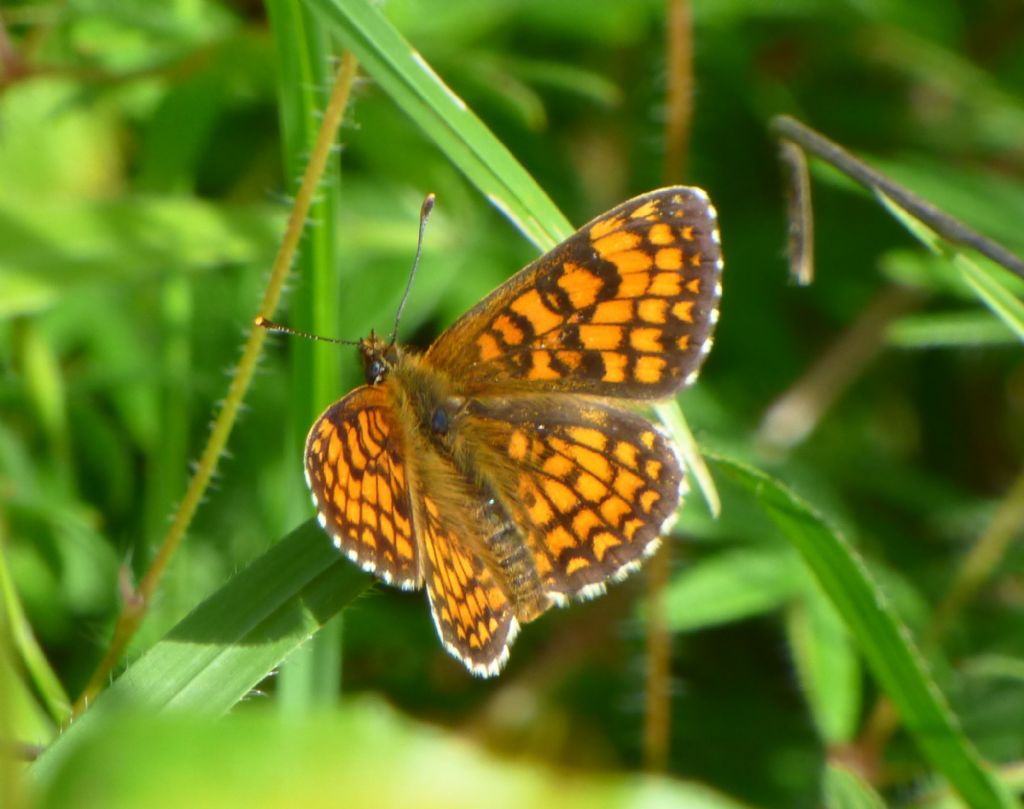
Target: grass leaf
<point x="304" y="85"/>
<point x="845" y="789"/>
<point x="883" y="640"/>
<point x="989" y="282"/>
<point x="366" y="755"/>
<point x="402" y="73"/>
<point x="731" y="586"/>
<point x="229" y="643"/>
<point x="828" y="665"/>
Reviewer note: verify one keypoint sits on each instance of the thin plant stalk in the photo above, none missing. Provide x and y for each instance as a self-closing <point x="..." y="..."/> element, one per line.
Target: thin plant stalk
<point x="979" y="563"/>
<point x="657" y="704"/>
<point x="137" y="602"/>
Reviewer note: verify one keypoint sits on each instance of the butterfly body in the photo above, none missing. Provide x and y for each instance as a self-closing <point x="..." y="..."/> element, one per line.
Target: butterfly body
<point x="504" y="469"/>
<point x="443" y="445"/>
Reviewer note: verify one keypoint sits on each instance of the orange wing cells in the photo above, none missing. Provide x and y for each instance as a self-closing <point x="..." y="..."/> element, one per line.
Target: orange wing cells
<point x="506" y="469"/>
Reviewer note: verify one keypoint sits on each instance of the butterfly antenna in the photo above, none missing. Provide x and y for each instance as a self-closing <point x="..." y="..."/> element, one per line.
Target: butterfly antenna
<point x="425" y="209"/>
<point x="270" y="325"/>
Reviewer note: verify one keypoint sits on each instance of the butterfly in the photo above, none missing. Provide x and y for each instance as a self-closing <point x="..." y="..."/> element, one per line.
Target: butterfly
<point x="506" y="468"/>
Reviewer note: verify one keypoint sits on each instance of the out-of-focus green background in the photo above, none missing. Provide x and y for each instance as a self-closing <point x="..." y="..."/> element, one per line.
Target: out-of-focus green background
<point x="144" y="187"/>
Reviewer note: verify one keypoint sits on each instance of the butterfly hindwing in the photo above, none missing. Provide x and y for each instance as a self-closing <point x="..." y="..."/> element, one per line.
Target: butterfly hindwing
<point x="356" y="470"/>
<point x="592" y="487"/>
<point x="473" y="617"/>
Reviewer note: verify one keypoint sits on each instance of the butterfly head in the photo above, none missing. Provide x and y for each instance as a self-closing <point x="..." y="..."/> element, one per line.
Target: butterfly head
<point x="379" y="357"/>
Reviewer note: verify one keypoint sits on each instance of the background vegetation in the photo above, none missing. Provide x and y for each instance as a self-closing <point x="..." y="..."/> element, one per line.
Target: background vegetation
<point x="148" y="158"/>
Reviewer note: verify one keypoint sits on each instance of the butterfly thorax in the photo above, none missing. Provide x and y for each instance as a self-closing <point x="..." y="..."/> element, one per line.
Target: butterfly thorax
<point x="447" y="462"/>
<point x="424" y="391"/>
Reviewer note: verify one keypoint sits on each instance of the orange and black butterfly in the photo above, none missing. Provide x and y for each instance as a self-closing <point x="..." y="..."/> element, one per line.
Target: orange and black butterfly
<point x="504" y="468"/>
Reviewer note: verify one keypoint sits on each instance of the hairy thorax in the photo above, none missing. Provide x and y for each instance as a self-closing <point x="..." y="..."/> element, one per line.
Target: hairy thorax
<point x="434" y="416"/>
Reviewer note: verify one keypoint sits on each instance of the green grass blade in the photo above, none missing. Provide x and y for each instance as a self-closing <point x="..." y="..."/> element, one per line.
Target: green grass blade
<point x="38" y="273"/>
<point x="827" y="664"/>
<point x="732" y="586"/>
<point x="305" y="77"/>
<point x="989" y="282"/>
<point x="883" y="641"/>
<point x="949" y="330"/>
<point x="847" y="790"/>
<point x="671" y="415"/>
<point x="985" y="280"/>
<point x="404" y="75"/>
<point x="366" y="755"/>
<point x="994" y="666"/>
<point x="15" y="628"/>
<point x="233" y="639"/>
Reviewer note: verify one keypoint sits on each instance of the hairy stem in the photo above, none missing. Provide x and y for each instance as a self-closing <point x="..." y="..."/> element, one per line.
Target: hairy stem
<point x="136" y="604"/>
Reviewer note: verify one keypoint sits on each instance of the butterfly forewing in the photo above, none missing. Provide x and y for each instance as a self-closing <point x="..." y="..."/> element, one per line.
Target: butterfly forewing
<point x="625" y="307"/>
<point x="355" y="467"/>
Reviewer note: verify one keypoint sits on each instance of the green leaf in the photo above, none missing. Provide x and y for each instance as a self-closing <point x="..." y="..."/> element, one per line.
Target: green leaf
<point x="883" y="641"/>
<point x="991" y="283"/>
<point x="949" y="330"/>
<point x="986" y="280"/>
<point x="365" y="755"/>
<point x="305" y="81"/>
<point x="844" y="789"/>
<point x="731" y="586"/>
<point x="52" y="250"/>
<point x="31" y="674"/>
<point x="671" y="416"/>
<point x="827" y="664"/>
<point x="994" y="667"/>
<point x="230" y="642"/>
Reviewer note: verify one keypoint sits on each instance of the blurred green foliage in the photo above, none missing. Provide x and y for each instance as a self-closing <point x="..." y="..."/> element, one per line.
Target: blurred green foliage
<point x="143" y="192"/>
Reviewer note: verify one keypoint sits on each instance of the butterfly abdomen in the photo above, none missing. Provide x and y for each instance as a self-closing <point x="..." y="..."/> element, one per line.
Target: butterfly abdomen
<point x="452" y="470"/>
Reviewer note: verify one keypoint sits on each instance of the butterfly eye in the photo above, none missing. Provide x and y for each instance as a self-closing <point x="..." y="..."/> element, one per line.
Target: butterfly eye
<point x="439" y="420"/>
<point x="375" y="371"/>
